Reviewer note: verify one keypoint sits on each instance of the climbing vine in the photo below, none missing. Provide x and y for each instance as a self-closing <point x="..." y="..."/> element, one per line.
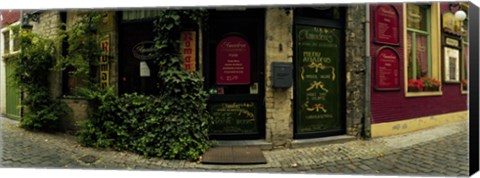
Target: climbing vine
<point x="83" y="50"/>
<point x="37" y="58"/>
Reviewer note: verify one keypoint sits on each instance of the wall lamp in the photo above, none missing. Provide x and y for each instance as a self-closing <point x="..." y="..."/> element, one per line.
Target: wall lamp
<point x="27" y="16"/>
<point x="459" y="13"/>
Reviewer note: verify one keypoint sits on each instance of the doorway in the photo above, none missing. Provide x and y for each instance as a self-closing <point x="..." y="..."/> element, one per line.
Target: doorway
<point x="319" y="59"/>
<point x="234" y="73"/>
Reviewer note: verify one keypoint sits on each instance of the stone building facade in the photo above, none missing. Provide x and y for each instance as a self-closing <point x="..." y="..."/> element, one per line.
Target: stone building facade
<point x="273" y="36"/>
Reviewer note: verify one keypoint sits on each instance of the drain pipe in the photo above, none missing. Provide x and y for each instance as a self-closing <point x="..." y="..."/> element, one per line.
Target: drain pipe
<point x="366" y="112"/>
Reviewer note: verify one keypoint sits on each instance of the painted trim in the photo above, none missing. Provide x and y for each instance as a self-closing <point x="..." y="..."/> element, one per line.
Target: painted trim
<point x="414" y="124"/>
<point x="419" y="94"/>
<point x="435" y="54"/>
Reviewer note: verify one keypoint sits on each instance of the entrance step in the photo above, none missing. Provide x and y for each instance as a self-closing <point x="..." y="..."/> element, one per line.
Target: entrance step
<point x="322" y="141"/>
<point x="233" y="155"/>
<point x="241" y="143"/>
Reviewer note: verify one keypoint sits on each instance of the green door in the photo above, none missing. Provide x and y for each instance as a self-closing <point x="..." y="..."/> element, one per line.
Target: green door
<point x="319" y="78"/>
<point x="12" y="94"/>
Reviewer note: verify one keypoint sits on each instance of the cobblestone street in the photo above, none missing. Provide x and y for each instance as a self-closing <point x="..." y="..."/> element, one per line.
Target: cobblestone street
<point x="440" y="151"/>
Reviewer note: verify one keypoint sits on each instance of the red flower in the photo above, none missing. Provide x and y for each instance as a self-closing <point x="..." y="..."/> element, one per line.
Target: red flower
<point x="415" y="83"/>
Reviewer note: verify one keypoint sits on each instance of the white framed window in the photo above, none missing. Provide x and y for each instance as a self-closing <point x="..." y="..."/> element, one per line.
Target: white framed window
<point x="9" y="39"/>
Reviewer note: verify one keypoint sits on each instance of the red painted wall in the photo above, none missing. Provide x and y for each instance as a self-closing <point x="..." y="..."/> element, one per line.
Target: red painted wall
<point x="388" y="106"/>
<point x="9" y="17"/>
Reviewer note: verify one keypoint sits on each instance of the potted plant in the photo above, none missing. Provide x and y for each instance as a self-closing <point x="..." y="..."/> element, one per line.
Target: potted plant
<point x="415" y="85"/>
<point x="430" y="84"/>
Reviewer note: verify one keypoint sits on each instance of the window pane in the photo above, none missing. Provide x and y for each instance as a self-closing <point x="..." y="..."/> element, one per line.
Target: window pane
<point x="416" y="17"/>
<point x="6" y="42"/>
<point x="422" y="55"/>
<point x="410" y="55"/>
<point x="16" y="43"/>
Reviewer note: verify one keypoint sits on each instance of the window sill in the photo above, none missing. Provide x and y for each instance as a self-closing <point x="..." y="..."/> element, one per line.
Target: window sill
<point x="426" y="93"/>
<point x="7" y="56"/>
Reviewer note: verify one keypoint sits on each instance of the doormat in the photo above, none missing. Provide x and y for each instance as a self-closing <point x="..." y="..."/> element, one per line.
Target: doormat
<point x="234" y="155"/>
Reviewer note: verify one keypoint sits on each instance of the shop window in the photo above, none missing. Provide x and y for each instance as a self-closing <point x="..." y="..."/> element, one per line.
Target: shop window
<point x="422" y="49"/>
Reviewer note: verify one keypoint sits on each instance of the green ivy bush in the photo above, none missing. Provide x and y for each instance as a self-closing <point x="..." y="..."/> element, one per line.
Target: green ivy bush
<point x="173" y="124"/>
<point x="149" y="125"/>
<point x="31" y="65"/>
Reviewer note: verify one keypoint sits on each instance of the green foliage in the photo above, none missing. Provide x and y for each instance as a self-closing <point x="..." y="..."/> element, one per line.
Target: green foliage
<point x="174" y="124"/>
<point x="149" y="125"/>
<point x="84" y="49"/>
<point x="31" y="64"/>
<point x="167" y="40"/>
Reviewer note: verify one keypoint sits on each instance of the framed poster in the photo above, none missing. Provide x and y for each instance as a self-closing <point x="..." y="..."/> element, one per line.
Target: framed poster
<point x="451" y="63"/>
<point x="386" y="24"/>
<point x="233" y="61"/>
<point x="387" y="69"/>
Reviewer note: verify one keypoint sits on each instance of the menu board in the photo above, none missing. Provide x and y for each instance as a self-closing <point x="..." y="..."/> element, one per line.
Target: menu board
<point x="387" y="69"/>
<point x="318" y="81"/>
<point x="233" y="117"/>
<point x="386" y="25"/>
<point x="233" y="61"/>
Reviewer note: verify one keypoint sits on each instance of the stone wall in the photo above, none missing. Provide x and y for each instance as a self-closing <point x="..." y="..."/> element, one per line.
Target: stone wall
<point x="355" y="68"/>
<point x="278" y="102"/>
<point x="79" y="113"/>
<point x="48" y="26"/>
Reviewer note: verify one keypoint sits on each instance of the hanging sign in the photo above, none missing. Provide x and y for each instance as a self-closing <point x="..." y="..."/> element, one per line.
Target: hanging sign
<point x="386" y="25"/>
<point x="104" y="66"/>
<point x="387" y="69"/>
<point x="188" y="49"/>
<point x="233" y="61"/>
<point x="144" y="50"/>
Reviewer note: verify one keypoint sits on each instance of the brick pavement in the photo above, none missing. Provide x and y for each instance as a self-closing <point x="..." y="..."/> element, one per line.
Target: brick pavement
<point x="441" y="151"/>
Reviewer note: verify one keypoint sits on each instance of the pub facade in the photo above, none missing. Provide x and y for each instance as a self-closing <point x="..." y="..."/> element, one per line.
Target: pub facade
<point x="287" y="76"/>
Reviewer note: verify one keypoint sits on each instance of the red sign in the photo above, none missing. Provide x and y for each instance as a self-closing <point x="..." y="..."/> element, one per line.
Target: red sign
<point x="386" y="25"/>
<point x="188" y="49"/>
<point x="104" y="65"/>
<point x="387" y="69"/>
<point x="233" y="61"/>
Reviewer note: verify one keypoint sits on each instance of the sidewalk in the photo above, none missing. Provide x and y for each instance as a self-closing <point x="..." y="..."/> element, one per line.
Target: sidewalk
<point x="437" y="151"/>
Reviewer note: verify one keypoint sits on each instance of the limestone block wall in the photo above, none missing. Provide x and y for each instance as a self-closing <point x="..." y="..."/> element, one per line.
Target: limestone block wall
<point x="355" y="68"/>
<point x="48" y="26"/>
<point x="278" y="102"/>
<point x="79" y="113"/>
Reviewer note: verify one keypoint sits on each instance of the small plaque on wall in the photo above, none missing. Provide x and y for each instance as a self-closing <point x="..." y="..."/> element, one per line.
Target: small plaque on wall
<point x="386" y="25"/>
<point x="451" y="64"/>
<point x="387" y="69"/>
